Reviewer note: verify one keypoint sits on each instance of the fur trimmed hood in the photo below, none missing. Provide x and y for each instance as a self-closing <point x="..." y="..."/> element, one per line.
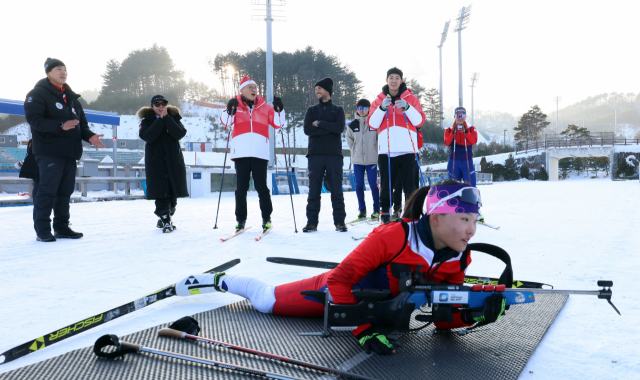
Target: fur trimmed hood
<point x="147" y="111"/>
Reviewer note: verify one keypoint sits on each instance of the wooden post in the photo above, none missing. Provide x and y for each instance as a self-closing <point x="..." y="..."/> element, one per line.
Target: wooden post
<point x="84" y="186"/>
<point x="127" y="185"/>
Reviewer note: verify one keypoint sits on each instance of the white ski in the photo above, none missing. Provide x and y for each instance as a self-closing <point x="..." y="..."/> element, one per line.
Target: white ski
<point x="263" y="233"/>
<point x="235" y="234"/>
<point x="488" y="225"/>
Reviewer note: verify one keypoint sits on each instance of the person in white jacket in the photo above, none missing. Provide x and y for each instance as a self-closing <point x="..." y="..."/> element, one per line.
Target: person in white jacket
<point x="363" y="142"/>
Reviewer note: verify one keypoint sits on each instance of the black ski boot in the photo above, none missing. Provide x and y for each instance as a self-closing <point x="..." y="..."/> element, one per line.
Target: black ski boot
<point x="67" y="233"/>
<point x="240" y="225"/>
<point x="159" y="224"/>
<point x="166" y="224"/>
<point x="46" y="237"/>
<point x="362" y="214"/>
<point x="341" y="227"/>
<point x="385" y="218"/>
<point x="310" y="227"/>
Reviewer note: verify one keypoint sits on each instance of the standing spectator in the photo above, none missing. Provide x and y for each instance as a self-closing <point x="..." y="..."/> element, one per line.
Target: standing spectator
<point x="324" y="124"/>
<point x="399" y="111"/>
<point x="161" y="129"/>
<point x="58" y="126"/>
<point x="363" y="142"/>
<point x="250" y="146"/>
<point x="460" y="164"/>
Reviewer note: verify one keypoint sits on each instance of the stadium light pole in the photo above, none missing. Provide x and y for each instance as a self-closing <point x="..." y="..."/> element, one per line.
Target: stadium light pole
<point x="442" y="40"/>
<point x="268" y="16"/>
<point x="557" y="99"/>
<point x="463" y="20"/>
<point x="474" y="79"/>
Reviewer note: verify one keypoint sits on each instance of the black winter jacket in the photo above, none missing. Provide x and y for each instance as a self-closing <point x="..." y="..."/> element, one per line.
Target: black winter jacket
<point x="326" y="138"/>
<point x="163" y="160"/>
<point x="46" y="111"/>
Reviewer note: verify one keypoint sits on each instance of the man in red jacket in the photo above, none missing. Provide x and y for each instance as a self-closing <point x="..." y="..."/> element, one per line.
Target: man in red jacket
<point x="396" y="113"/>
<point x="460" y="164"/>
<point x="251" y="115"/>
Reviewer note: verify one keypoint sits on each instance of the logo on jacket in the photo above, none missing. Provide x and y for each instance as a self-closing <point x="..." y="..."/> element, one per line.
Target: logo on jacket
<point x="58" y="105"/>
<point x="73" y="110"/>
<point x="30" y="100"/>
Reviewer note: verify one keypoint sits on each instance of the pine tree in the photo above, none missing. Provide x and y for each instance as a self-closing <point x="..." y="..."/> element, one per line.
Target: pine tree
<point x="431" y="106"/>
<point x="531" y="125"/>
<point x="510" y="169"/>
<point x="575" y="131"/>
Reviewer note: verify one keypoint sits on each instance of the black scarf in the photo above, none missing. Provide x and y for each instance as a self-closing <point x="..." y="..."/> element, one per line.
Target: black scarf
<point x="401" y="90"/>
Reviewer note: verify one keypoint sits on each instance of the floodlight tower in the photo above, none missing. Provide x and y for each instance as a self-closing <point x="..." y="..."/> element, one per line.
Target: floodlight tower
<point x="269" y="17"/>
<point x="463" y="20"/>
<point x="474" y="79"/>
<point x="442" y="39"/>
<point x="558" y="99"/>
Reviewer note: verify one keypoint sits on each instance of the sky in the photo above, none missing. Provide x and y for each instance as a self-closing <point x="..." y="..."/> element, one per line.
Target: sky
<point x="525" y="52"/>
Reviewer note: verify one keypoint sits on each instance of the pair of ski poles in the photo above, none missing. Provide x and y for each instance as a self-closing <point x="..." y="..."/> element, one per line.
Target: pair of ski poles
<point x="453" y="170"/>
<point x="123" y="348"/>
<point x="224" y="165"/>
<point x="415" y="152"/>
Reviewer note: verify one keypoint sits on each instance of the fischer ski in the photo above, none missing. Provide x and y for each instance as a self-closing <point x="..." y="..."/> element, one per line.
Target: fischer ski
<point x="467" y="279"/>
<point x="488" y="225"/>
<point x="358" y="221"/>
<point x="358" y="238"/>
<point x="235" y="234"/>
<point x="263" y="233"/>
<point x="98" y="319"/>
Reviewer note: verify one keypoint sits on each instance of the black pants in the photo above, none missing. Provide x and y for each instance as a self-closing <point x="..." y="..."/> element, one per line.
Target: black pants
<point x="397" y="189"/>
<point x="34" y="193"/>
<point x="247" y="167"/>
<point x="57" y="181"/>
<point x="402" y="167"/>
<point x="329" y="168"/>
<point x="166" y="206"/>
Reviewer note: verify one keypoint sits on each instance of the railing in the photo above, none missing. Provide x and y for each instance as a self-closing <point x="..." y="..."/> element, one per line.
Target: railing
<point x="83" y="181"/>
<point x="580" y="140"/>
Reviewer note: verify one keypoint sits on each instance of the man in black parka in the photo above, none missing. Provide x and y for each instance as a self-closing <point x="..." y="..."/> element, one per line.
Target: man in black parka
<point x="166" y="175"/>
<point x="58" y="126"/>
<point x="324" y="124"/>
<point x="29" y="169"/>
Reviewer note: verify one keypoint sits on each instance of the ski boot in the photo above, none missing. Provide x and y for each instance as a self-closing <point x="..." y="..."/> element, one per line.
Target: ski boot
<point x="309" y="228"/>
<point x="240" y="225"/>
<point x="67" y="233"/>
<point x="341" y="227"/>
<point x="385" y="218"/>
<point x="200" y="284"/>
<point x="375" y="215"/>
<point x="166" y="224"/>
<point x="362" y="214"/>
<point x="266" y="225"/>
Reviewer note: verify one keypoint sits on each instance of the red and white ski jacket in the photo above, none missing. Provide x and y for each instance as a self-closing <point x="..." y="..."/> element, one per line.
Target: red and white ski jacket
<point x="464" y="142"/>
<point x="250" y="136"/>
<point x="399" y="141"/>
<point x="361" y="268"/>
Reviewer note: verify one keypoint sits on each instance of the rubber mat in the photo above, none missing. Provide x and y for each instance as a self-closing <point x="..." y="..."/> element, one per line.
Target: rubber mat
<point x="496" y="351"/>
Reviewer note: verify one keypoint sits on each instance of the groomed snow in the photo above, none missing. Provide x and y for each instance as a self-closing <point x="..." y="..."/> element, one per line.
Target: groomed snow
<point x="568" y="233"/>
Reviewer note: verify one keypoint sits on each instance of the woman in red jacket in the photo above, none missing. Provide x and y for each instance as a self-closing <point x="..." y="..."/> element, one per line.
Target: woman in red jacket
<point x="441" y="219"/>
<point x="251" y="116"/>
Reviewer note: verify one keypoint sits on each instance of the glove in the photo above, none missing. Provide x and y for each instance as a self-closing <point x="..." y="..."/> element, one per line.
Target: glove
<point x="277" y="104"/>
<point x="370" y="340"/>
<point x="232" y="106"/>
<point x="492" y="311"/>
<point x="401" y="103"/>
<point x="385" y="103"/>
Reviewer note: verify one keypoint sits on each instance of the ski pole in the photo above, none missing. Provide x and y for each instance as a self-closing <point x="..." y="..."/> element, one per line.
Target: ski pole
<point x="123" y="348"/>
<point x="182" y="335"/>
<point x="223" y="168"/>
<point x="389" y="165"/>
<point x="284" y="150"/>
<point x="414" y="149"/>
<point x="455" y="136"/>
<point x="467" y="153"/>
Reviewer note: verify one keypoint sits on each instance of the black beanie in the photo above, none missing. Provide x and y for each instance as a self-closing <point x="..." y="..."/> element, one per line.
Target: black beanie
<point x="459" y="109"/>
<point x="50" y="63"/>
<point x="363" y="103"/>
<point x="327" y="84"/>
<point x="394" y="70"/>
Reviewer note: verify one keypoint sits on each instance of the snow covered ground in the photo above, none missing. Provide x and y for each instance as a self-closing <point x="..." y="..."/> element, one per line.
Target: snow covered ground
<point x="566" y="233"/>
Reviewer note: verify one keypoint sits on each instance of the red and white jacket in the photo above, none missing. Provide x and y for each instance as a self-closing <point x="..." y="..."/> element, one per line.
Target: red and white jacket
<point x="250" y="136"/>
<point x="399" y="141"/>
<point x="361" y="268"/>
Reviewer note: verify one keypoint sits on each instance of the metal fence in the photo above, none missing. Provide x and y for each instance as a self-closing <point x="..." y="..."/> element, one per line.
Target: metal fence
<point x="570" y="141"/>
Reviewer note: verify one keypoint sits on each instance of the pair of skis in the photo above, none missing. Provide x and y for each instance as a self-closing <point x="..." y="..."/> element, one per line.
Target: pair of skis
<point x="98" y="319"/>
<point x="467" y="280"/>
<point x="258" y="238"/>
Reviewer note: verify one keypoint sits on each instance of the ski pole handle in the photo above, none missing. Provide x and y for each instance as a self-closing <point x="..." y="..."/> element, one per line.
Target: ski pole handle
<point x="127" y="345"/>
<point x="171" y="333"/>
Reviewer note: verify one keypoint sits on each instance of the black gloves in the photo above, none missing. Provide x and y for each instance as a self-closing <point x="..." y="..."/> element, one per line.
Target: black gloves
<point x="232" y="106"/>
<point x="370" y="340"/>
<point x="492" y="311"/>
<point x="277" y="104"/>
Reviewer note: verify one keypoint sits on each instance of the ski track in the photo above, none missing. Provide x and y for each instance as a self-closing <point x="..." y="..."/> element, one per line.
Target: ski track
<point x="569" y="234"/>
